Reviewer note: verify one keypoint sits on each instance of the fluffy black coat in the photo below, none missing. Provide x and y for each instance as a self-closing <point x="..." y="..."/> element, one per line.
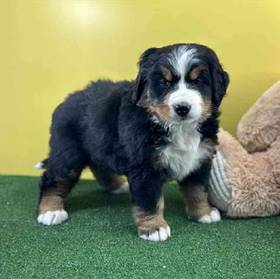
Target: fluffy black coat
<point x="103" y="127"/>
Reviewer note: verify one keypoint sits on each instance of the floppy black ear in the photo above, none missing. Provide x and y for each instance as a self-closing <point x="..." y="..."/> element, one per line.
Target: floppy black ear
<point x="220" y="83"/>
<point x="145" y="63"/>
<point x="139" y="88"/>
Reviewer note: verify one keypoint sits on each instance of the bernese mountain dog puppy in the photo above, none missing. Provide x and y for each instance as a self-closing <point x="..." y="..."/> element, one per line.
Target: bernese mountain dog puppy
<point x="160" y="127"/>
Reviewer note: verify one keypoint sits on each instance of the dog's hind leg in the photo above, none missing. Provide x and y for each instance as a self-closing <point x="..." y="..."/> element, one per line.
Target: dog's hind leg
<point x="112" y="182"/>
<point x="65" y="164"/>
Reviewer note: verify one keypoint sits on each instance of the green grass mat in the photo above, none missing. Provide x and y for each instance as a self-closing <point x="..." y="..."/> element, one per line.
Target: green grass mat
<point x="99" y="240"/>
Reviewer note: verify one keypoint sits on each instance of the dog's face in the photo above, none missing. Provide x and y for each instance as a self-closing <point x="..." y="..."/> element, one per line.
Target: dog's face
<point x="181" y="82"/>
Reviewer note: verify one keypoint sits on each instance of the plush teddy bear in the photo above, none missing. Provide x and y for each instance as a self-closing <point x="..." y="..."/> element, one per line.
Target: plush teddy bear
<point x="245" y="177"/>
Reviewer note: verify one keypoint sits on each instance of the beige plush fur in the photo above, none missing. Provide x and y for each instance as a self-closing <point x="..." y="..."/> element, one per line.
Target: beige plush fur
<point x="252" y="164"/>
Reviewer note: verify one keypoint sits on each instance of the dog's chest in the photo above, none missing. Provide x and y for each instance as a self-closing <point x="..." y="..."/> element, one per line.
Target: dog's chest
<point x="184" y="153"/>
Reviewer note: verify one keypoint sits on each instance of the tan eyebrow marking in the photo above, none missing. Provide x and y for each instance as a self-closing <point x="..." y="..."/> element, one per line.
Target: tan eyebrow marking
<point x="194" y="74"/>
<point x="166" y="73"/>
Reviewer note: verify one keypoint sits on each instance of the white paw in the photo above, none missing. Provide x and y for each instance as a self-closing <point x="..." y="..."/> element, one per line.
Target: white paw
<point x="123" y="189"/>
<point x="52" y="217"/>
<point x="213" y="216"/>
<point x="159" y="235"/>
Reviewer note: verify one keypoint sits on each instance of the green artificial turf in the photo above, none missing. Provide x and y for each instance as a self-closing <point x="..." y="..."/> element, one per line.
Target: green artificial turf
<point x="100" y="241"/>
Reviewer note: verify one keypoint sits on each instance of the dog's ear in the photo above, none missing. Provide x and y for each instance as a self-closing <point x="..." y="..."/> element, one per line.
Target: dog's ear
<point x="145" y="63"/>
<point x="220" y="78"/>
<point x="220" y="81"/>
<point x="139" y="89"/>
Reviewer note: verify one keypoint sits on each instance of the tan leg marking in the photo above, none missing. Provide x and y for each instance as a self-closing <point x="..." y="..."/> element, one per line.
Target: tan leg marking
<point x="51" y="206"/>
<point x="53" y="199"/>
<point x="50" y="202"/>
<point x="197" y="205"/>
<point x="151" y="226"/>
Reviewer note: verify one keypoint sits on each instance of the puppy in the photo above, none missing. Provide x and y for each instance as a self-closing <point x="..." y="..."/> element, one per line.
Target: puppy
<point x="160" y="127"/>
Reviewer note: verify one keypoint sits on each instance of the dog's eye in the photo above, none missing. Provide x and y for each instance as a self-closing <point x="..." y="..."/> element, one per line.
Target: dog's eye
<point x="194" y="81"/>
<point x="201" y="79"/>
<point x="195" y="75"/>
<point x="164" y="83"/>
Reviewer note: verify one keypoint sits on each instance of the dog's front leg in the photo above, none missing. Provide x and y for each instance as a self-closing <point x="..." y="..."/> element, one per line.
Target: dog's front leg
<point x="148" y="205"/>
<point x="195" y="192"/>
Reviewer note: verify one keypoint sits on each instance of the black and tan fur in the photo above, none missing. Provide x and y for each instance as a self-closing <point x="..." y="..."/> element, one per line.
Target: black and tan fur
<point x="160" y="127"/>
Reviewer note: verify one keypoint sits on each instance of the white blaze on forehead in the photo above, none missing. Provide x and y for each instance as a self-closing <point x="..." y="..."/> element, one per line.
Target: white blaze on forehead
<point x="180" y="58"/>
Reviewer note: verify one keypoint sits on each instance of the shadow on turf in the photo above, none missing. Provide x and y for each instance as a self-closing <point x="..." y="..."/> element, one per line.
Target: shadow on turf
<point x="96" y="197"/>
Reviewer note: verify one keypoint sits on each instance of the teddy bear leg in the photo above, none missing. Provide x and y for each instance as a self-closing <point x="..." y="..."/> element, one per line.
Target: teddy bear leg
<point x="255" y="204"/>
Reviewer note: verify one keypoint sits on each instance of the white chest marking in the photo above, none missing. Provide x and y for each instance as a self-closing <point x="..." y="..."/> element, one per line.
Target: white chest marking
<point x="184" y="153"/>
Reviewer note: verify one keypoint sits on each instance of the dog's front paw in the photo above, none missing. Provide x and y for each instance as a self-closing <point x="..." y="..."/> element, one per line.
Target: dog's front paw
<point x="52" y="217"/>
<point x="213" y="216"/>
<point x="160" y="234"/>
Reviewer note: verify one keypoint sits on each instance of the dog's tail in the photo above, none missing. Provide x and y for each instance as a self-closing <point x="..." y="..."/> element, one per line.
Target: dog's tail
<point x="41" y="165"/>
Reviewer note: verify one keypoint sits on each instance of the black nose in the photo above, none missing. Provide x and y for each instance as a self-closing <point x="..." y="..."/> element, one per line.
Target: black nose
<point x="182" y="110"/>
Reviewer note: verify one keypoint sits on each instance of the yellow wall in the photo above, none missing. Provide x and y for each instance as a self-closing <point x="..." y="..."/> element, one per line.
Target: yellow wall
<point x="52" y="47"/>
